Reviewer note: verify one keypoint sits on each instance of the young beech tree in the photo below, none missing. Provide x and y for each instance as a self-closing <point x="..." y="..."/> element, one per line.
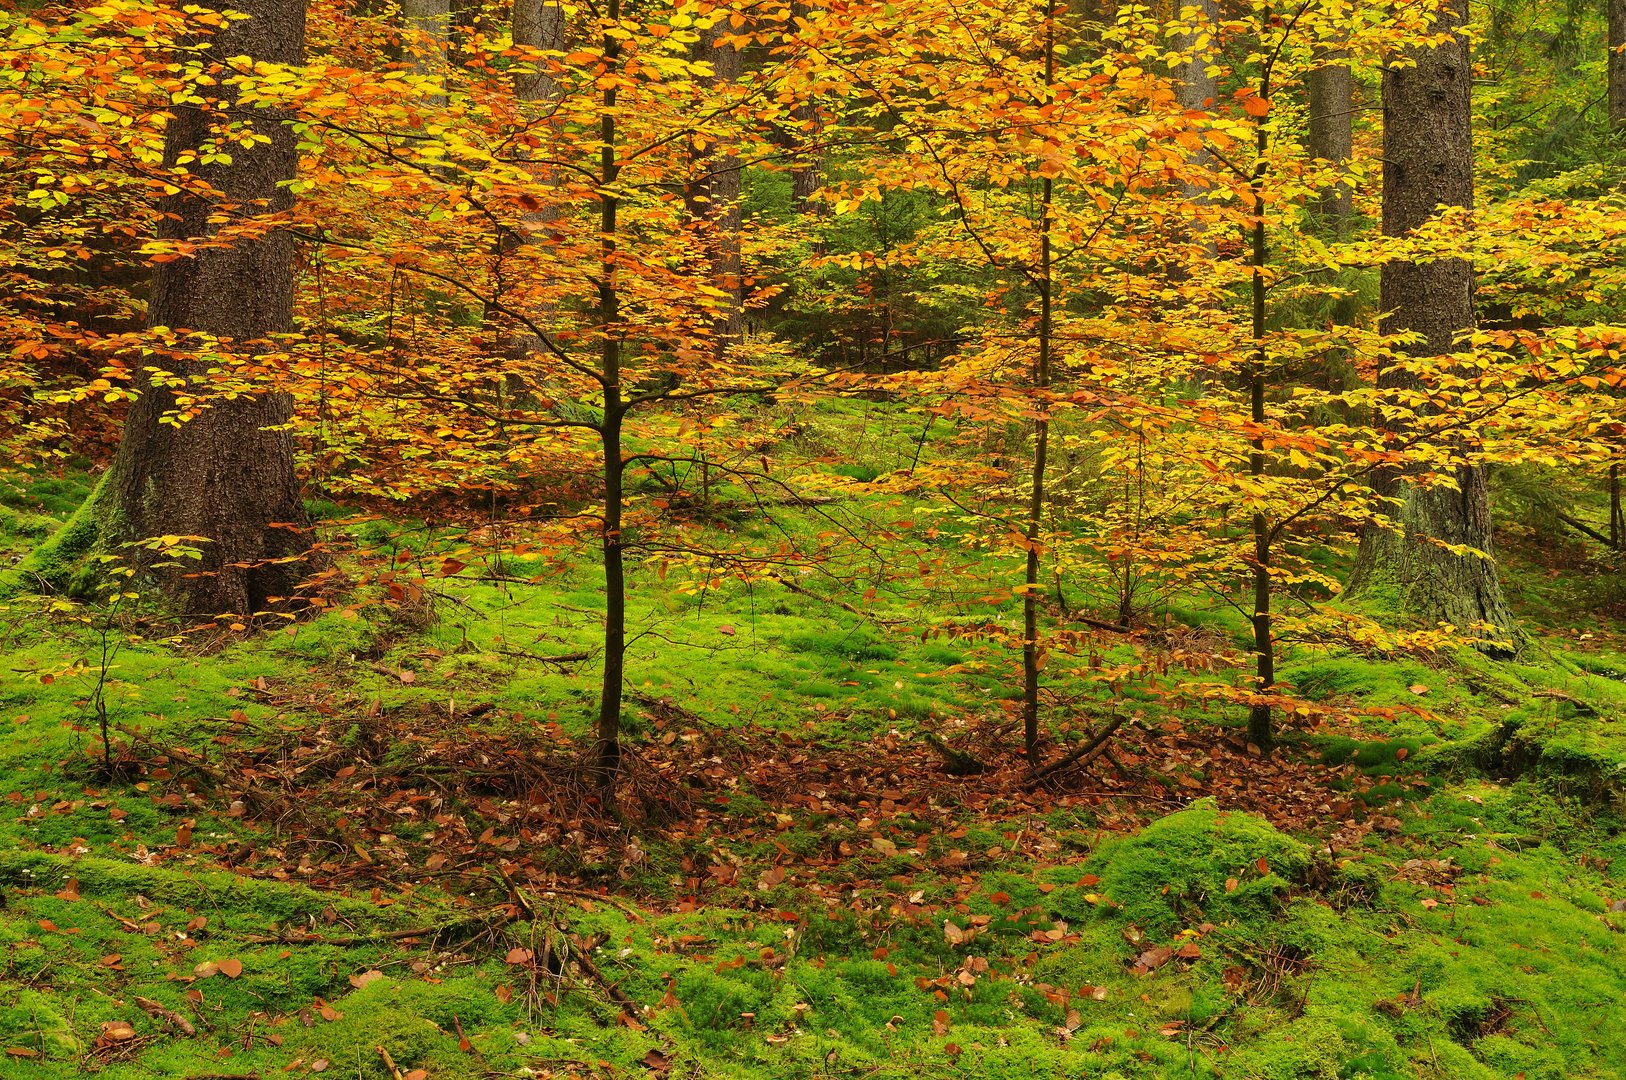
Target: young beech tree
<point x="534" y="297"/>
<point x="1039" y="151"/>
<point x="195" y="459"/>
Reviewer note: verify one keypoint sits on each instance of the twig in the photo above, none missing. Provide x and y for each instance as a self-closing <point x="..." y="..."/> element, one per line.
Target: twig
<point x="347" y="941"/>
<point x="173" y="1019"/>
<point x="389" y="1062"/>
<point x="584" y="961"/>
<point x="860" y="612"/>
<point x="1102" y="624"/>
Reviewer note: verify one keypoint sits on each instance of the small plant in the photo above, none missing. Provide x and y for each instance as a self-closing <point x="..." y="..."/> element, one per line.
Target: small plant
<point x="109" y="615"/>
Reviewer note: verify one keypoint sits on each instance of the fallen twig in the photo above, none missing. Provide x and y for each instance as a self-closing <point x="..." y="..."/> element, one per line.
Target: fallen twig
<point x="173" y="1019"/>
<point x="842" y="604"/>
<point x="389" y="1062"/>
<point x="1082" y="756"/>
<point x="583" y="960"/>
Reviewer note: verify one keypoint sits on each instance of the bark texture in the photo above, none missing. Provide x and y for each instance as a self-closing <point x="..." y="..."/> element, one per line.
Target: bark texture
<point x="1332" y="113"/>
<point x="1428" y="161"/>
<point x="538" y="24"/>
<point x="221" y="475"/>
<point x="714" y="195"/>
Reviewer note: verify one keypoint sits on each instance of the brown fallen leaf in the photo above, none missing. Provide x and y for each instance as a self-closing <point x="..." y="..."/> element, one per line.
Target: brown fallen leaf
<point x="1152" y="959"/>
<point x="231" y="968"/>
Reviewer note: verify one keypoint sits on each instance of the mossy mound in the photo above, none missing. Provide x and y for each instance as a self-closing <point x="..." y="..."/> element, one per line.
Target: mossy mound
<point x="1200" y="864"/>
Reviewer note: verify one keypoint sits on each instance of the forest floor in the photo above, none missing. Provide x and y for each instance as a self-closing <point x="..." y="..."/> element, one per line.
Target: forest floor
<point x="362" y="845"/>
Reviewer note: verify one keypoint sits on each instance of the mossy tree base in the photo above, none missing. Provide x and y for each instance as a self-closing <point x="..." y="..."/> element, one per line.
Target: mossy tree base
<point x="1433" y="582"/>
<point x="225" y="476"/>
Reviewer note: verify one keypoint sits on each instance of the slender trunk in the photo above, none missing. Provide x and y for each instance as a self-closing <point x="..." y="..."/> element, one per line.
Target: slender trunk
<point x="1428" y="161"/>
<point x="1264" y="643"/>
<point x="1617" y="520"/>
<point x="609" y="311"/>
<point x="1041" y="442"/>
<point x="1332" y="137"/>
<point x="227" y="473"/>
<point x="1617" y="64"/>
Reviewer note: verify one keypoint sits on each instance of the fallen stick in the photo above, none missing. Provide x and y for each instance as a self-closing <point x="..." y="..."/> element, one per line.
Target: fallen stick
<point x="842" y="604"/>
<point x="173" y="1019"/>
<point x="1083" y="755"/>
<point x="389" y="1062"/>
<point x="585" y="962"/>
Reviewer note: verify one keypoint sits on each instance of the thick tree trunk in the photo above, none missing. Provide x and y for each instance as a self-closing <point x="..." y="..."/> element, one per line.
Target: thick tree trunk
<point x="539" y="24"/>
<point x="807" y="171"/>
<point x="1617" y="64"/>
<point x="1332" y="113"/>
<point x="227" y="474"/>
<point x="1195" y="89"/>
<point x="1428" y="161"/>
<point x="714" y="195"/>
<point x="428" y="26"/>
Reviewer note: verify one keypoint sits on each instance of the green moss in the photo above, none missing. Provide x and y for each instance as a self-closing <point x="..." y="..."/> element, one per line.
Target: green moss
<point x="1200" y="864"/>
<point x="62" y="562"/>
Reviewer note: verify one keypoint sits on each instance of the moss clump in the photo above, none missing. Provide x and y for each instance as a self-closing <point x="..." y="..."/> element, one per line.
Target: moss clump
<point x="1200" y="864"/>
<point x="62" y="563"/>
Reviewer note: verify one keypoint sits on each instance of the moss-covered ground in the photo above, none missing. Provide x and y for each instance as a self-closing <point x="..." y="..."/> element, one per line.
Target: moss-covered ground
<point x="354" y="846"/>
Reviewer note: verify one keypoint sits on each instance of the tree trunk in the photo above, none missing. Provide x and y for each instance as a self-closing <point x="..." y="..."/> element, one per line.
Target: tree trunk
<point x="1332" y="138"/>
<point x="1617" y="517"/>
<point x="714" y="195"/>
<point x="608" y="750"/>
<point x="1195" y="89"/>
<point x="1428" y="161"/>
<point x="1044" y="280"/>
<point x="1617" y="64"/>
<point x="539" y="24"/>
<point x="227" y="474"/>
<point x="427" y="25"/>
<point x="1261" y="731"/>
<point x="807" y="172"/>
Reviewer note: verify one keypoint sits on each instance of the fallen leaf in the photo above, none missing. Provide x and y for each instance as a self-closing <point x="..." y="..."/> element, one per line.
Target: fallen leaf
<point x="231" y="968"/>
<point x="358" y="981"/>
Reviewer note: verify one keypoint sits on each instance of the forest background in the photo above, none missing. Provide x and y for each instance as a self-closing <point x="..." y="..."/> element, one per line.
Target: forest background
<point x="845" y="538"/>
